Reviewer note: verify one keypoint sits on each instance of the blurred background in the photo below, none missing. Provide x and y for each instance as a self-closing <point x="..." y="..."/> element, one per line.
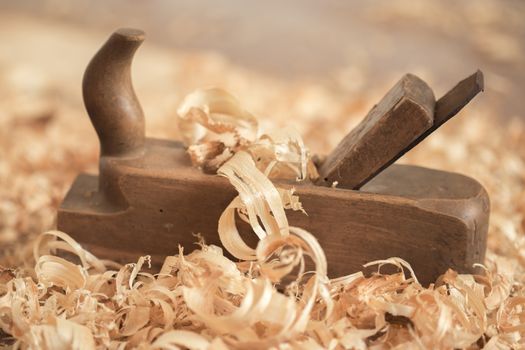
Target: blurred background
<point x="318" y="66"/>
<point x="329" y="43"/>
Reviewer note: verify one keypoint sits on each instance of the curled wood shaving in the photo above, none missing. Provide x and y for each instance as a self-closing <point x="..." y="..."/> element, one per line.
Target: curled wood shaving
<point x="214" y="125"/>
<point x="282" y="154"/>
<point x="259" y="200"/>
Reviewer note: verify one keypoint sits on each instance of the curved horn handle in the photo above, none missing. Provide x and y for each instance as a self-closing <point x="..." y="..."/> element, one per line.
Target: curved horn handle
<point x="109" y="96"/>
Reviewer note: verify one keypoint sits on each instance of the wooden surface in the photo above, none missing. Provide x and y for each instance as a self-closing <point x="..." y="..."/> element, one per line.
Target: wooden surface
<point x="109" y="96"/>
<point x="404" y="114"/>
<point x="448" y="106"/>
<point x="433" y="219"/>
<point x="394" y="127"/>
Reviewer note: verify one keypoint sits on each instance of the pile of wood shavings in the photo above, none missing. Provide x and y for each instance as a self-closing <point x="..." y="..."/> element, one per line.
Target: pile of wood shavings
<point x="203" y="300"/>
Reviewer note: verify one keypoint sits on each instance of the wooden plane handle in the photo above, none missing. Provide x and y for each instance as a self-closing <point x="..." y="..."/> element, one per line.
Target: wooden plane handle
<point x="109" y="97"/>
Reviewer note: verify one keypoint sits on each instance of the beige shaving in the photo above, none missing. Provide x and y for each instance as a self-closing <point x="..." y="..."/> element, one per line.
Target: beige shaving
<point x="214" y="126"/>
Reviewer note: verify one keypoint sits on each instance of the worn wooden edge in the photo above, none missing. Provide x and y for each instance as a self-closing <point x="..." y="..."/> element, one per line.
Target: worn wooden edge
<point x="446" y="108"/>
<point x="456" y="98"/>
<point x="402" y="115"/>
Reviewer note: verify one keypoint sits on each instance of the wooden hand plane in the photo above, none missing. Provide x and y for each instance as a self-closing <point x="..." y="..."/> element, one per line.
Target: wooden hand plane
<point x="148" y="198"/>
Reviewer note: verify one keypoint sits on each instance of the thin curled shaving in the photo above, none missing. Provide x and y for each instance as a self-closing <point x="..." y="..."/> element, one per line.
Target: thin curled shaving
<point x="258" y="194"/>
<point x="259" y="199"/>
<point x="283" y="155"/>
<point x="214" y="125"/>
